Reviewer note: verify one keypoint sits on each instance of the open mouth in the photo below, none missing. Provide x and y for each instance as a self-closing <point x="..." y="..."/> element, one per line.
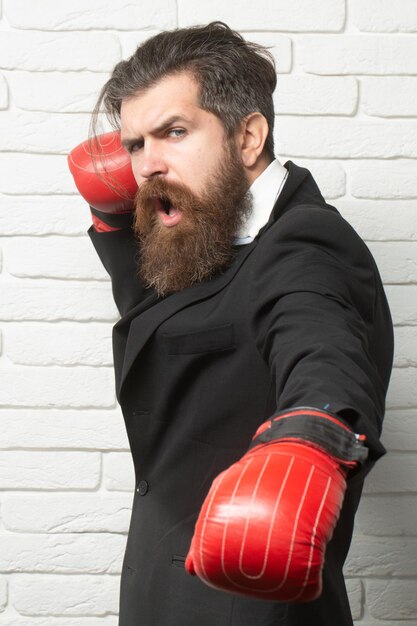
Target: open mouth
<point x="167" y="206"/>
<point x="169" y="214"/>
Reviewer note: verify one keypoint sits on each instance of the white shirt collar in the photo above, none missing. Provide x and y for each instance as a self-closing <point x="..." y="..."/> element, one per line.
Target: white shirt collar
<point x="265" y="190"/>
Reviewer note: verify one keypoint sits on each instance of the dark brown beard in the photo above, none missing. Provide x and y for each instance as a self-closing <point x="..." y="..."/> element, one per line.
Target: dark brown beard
<point x="200" y="245"/>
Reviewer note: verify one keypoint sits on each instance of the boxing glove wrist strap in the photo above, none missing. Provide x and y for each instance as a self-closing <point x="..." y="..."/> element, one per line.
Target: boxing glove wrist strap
<point x="115" y="220"/>
<point x="317" y="427"/>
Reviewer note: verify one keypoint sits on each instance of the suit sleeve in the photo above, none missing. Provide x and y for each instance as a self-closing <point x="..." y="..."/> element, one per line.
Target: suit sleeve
<point x="321" y="320"/>
<point x="118" y="251"/>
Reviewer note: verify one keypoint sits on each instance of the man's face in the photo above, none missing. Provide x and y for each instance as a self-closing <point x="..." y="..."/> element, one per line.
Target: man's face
<point x="192" y="192"/>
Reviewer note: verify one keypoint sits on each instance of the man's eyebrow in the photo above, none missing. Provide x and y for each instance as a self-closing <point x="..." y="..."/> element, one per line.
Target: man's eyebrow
<point x="174" y="119"/>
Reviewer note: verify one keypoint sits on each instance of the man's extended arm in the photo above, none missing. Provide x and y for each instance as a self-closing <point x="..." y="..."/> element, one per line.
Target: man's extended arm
<point x="322" y="324"/>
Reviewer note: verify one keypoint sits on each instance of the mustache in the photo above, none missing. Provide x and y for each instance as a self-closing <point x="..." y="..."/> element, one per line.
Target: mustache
<point x="170" y="192"/>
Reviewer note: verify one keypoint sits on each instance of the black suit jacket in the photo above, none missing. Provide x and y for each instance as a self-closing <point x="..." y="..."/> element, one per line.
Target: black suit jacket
<point x="299" y="318"/>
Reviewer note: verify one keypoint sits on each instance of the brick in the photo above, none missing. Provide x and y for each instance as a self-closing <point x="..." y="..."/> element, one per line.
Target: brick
<point x="49" y="470"/>
<point x="57" y="428"/>
<point x="402" y="301"/>
<point x="371" y="622"/>
<point x="13" y="620"/>
<point x="3" y="593"/>
<point x="387" y="515"/>
<point x="346" y="138"/>
<point x="397" y="261"/>
<point x="394" y="474"/>
<point x="118" y="471"/>
<point x="406" y="347"/>
<point x="52" y="51"/>
<point x="44" y="215"/>
<point x="69" y="92"/>
<point x="379" y="556"/>
<point x="358" y="54"/>
<point x="4" y="93"/>
<point x="400" y="427"/>
<point x="62" y="553"/>
<point x="315" y="95"/>
<point x="402" y="392"/>
<point x="384" y="16"/>
<point x="131" y="40"/>
<point x="355" y="594"/>
<point x="51" y="133"/>
<point x="392" y="599"/>
<point x="67" y="513"/>
<point x="57" y="387"/>
<point x="53" y="300"/>
<point x="383" y="179"/>
<point x="53" y="257"/>
<point x="330" y="176"/>
<point x="380" y="220"/>
<point x="49" y="174"/>
<point x="61" y="595"/>
<point x="59" y="344"/>
<point x="393" y="96"/>
<point x="120" y="15"/>
<point x="328" y="15"/>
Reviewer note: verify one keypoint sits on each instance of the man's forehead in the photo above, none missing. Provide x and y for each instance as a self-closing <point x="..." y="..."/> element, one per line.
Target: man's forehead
<point x="173" y="96"/>
<point x="176" y="90"/>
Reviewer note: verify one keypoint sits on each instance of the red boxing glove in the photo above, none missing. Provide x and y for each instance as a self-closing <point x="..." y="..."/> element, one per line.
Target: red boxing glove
<point x="103" y="173"/>
<point x="266" y="521"/>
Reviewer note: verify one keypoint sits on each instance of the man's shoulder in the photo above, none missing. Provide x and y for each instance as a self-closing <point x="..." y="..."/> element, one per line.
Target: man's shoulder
<point x="314" y="223"/>
<point x="307" y="240"/>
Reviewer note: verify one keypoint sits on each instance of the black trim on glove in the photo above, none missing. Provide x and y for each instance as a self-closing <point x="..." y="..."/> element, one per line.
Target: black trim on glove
<point x="314" y="426"/>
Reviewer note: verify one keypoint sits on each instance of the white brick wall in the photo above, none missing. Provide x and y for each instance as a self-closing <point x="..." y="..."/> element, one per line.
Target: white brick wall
<point x="347" y="107"/>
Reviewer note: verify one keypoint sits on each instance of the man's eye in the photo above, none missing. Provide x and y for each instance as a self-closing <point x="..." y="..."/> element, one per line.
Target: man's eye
<point x="134" y="147"/>
<point x="176" y="132"/>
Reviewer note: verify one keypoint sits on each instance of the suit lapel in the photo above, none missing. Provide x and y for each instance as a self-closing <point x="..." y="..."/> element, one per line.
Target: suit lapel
<point x="133" y="331"/>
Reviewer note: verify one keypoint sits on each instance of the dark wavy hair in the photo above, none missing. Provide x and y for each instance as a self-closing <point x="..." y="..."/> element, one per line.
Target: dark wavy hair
<point x="235" y="77"/>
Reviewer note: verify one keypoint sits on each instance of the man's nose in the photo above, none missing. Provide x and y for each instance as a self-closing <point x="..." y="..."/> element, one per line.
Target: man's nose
<point x="150" y="163"/>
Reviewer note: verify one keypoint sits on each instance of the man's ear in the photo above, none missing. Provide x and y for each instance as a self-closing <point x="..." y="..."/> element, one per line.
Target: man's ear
<point x="251" y="139"/>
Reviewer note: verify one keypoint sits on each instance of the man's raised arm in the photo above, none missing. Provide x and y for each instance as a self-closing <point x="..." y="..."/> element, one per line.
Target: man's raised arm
<point x="103" y="175"/>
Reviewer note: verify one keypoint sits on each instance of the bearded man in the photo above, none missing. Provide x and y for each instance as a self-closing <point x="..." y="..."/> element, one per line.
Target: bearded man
<point x="254" y="348"/>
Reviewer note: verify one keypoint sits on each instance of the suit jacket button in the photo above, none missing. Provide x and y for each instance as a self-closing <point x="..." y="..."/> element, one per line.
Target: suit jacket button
<point x="142" y="487"/>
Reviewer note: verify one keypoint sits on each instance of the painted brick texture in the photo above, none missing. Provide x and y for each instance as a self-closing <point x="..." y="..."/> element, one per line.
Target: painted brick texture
<point x="346" y="108"/>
